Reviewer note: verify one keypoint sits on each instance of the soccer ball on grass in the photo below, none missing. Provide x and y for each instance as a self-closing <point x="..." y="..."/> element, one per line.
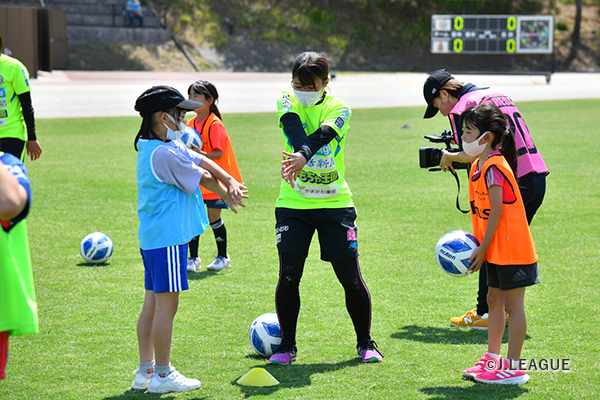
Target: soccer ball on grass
<point x="96" y="248"/>
<point x="265" y="334"/>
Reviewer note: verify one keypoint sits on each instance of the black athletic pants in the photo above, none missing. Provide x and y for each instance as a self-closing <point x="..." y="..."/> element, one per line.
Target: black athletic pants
<point x="287" y="297"/>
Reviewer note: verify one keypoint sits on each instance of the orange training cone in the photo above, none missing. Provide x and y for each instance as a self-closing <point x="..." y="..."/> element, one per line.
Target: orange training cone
<point x="258" y="377"/>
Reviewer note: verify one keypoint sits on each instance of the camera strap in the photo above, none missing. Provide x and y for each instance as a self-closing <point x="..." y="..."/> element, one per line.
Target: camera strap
<point x="458" y="192"/>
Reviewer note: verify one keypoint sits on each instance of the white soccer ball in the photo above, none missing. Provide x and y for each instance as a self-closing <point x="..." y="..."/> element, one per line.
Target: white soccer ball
<point x="190" y="135"/>
<point x="453" y="250"/>
<point x="265" y="334"/>
<point x="96" y="248"/>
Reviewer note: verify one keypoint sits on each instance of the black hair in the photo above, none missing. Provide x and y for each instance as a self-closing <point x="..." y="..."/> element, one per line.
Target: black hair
<point x="453" y="87"/>
<point x="487" y="117"/>
<point x="209" y="91"/>
<point x="308" y="66"/>
<point x="148" y="127"/>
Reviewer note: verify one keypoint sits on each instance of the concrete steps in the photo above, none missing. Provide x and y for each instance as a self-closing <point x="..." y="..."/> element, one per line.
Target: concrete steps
<point x="104" y="34"/>
<point x="102" y="21"/>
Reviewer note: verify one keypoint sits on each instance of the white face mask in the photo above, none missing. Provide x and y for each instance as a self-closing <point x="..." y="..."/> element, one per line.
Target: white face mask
<point x="474" y="148"/>
<point x="308" y="99"/>
<point x="174" y="135"/>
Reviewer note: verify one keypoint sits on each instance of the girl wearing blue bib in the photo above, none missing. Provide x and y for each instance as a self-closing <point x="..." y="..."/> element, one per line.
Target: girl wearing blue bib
<point x="171" y="212"/>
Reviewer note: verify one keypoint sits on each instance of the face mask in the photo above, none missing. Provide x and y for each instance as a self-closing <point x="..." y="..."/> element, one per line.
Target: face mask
<point x="474" y="148"/>
<point x="171" y="134"/>
<point x="446" y="107"/>
<point x="308" y="99"/>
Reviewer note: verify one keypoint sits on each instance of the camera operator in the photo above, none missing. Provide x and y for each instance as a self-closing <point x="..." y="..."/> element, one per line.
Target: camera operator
<point x="444" y="93"/>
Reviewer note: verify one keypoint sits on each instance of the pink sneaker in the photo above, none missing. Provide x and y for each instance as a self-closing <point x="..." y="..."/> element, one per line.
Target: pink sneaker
<point x="285" y="354"/>
<point x="486" y="361"/>
<point x="368" y="352"/>
<point x="503" y="375"/>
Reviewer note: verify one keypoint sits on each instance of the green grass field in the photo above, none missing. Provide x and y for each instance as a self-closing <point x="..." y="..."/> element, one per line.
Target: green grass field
<point x="87" y="347"/>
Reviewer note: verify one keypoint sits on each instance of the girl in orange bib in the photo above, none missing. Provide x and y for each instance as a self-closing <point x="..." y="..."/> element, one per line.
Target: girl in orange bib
<point x="216" y="145"/>
<point x="500" y="225"/>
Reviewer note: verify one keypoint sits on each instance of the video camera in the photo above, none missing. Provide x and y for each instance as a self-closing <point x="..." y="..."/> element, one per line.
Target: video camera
<point x="430" y="157"/>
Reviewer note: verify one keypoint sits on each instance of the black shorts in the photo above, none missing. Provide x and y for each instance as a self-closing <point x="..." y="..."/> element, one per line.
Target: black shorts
<point x="506" y="277"/>
<point x="335" y="226"/>
<point x="218" y="203"/>
<point x="13" y="146"/>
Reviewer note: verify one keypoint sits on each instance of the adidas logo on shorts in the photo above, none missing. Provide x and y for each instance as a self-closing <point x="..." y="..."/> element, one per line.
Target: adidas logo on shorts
<point x="520" y="276"/>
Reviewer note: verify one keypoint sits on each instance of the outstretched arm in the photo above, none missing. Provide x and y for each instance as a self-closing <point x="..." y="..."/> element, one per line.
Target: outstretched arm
<point x="13" y="196"/>
<point x="293" y="163"/>
<point x="223" y="184"/>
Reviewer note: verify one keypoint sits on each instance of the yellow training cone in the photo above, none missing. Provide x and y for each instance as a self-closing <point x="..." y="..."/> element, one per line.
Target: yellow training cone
<point x="258" y="377"/>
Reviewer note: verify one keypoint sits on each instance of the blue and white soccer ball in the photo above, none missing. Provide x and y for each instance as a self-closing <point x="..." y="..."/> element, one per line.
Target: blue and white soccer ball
<point x="96" y="248"/>
<point x="453" y="250"/>
<point x="265" y="334"/>
<point x="190" y="135"/>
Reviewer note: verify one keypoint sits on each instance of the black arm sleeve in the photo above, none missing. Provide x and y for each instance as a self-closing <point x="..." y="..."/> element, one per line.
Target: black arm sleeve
<point x="307" y="146"/>
<point x="25" y="99"/>
<point x="292" y="126"/>
<point x="321" y="137"/>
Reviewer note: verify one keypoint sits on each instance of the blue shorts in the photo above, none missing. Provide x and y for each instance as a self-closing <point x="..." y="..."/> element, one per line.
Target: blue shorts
<point x="166" y="269"/>
<point x="218" y="203"/>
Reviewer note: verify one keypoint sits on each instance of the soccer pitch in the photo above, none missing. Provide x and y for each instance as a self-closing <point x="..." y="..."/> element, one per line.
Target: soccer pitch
<point x="87" y="346"/>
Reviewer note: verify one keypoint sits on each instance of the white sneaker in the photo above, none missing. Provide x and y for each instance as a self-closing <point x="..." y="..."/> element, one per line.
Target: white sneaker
<point x="174" y="382"/>
<point x="219" y="263"/>
<point x="194" y="264"/>
<point x="141" y="381"/>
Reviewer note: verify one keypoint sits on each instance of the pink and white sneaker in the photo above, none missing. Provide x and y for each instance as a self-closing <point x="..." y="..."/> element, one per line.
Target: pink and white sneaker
<point x="504" y="375"/>
<point x="284" y="355"/>
<point x="485" y="361"/>
<point x="369" y="352"/>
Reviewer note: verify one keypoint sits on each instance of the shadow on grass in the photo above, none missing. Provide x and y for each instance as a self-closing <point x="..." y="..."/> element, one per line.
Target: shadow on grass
<point x="293" y="376"/>
<point x="197" y="276"/>
<point x="450" y="335"/>
<point x="84" y="264"/>
<point x="132" y="394"/>
<point x="475" y="391"/>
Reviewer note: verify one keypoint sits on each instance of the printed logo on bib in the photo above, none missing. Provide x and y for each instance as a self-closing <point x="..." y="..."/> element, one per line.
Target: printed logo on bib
<point x="351" y="234"/>
<point x="324" y="178"/>
<point x="286" y="103"/>
<point x="341" y="120"/>
<point x="320" y="163"/>
<point x="25" y="76"/>
<point x="316" y="192"/>
<point x="324" y="151"/>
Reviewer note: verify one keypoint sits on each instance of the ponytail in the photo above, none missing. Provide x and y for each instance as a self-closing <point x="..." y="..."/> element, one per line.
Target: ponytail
<point x="487" y="117"/>
<point x="508" y="148"/>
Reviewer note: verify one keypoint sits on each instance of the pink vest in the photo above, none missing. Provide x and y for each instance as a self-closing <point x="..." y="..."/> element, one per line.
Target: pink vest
<point x="530" y="159"/>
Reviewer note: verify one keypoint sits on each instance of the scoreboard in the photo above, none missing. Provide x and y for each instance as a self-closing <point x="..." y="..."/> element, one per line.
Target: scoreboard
<point x="492" y="34"/>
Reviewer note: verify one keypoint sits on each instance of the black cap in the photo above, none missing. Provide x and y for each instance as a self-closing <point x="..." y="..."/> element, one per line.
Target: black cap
<point x="432" y="86"/>
<point x="161" y="98"/>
